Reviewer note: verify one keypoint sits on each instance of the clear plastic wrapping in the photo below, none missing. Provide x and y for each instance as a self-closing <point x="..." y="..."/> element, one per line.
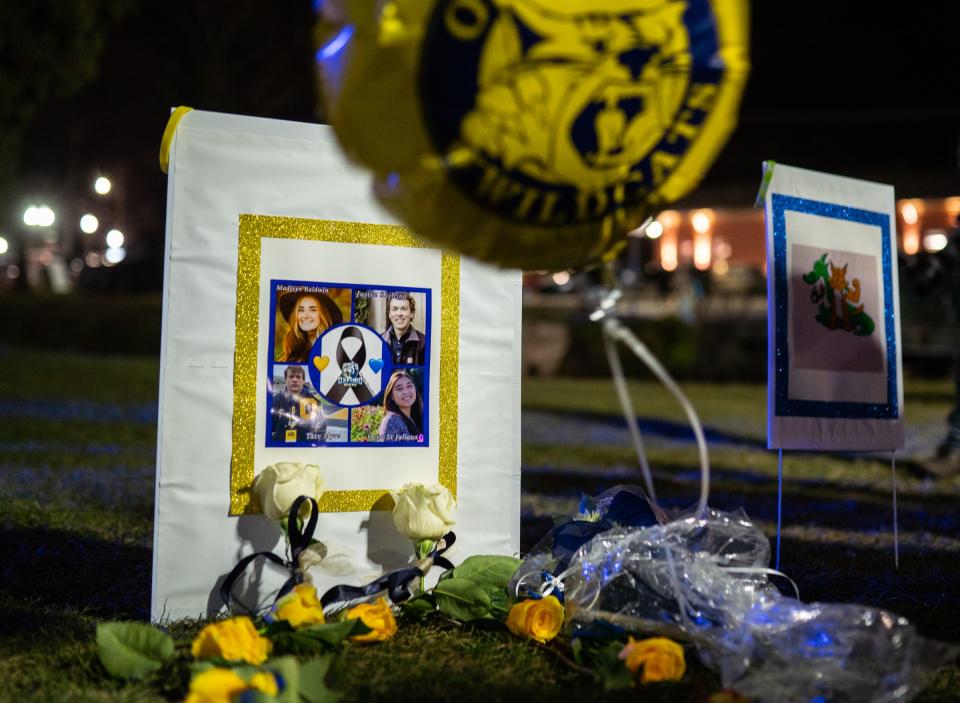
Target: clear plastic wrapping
<point x="707" y="580"/>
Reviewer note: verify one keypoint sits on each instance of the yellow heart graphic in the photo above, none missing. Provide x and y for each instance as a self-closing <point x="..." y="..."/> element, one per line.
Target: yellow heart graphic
<point x="321" y="362"/>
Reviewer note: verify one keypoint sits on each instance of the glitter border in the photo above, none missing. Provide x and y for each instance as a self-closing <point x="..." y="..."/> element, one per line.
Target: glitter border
<point x="785" y="407"/>
<point x="253" y="228"/>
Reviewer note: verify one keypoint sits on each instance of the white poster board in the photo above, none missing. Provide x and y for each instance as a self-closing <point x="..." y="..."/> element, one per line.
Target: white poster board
<point x="259" y="208"/>
<point x="835" y="380"/>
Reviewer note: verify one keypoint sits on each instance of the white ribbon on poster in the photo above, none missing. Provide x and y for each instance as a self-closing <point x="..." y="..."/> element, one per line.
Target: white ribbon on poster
<point x="835" y="379"/>
<point x="237" y="180"/>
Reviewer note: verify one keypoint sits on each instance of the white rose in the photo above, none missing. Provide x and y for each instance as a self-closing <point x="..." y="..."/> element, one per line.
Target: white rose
<point x="423" y="512"/>
<point x="279" y="485"/>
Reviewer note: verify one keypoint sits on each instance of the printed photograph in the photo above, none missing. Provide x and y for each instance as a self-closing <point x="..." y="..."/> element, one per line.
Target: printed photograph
<point x="298" y="414"/>
<point x="400" y="318"/>
<point x="399" y="418"/>
<point x="303" y="313"/>
<point x="349" y="365"/>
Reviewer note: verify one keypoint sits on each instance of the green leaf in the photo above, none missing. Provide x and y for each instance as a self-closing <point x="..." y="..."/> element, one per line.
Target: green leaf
<point x="614" y="677"/>
<point x="277" y="627"/>
<point x="489" y="572"/>
<point x="576" y="646"/>
<point x="499" y="602"/>
<point x="290" y="672"/>
<point x="603" y="657"/>
<point x="317" y="638"/>
<point x="419" y="606"/>
<point x="334" y="633"/>
<point x="462" y="599"/>
<point x="130" y="650"/>
<point x="313" y="681"/>
<point x="295" y="643"/>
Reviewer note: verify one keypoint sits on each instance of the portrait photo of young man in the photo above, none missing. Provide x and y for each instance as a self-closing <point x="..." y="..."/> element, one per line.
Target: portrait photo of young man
<point x="406" y="343"/>
<point x="296" y="412"/>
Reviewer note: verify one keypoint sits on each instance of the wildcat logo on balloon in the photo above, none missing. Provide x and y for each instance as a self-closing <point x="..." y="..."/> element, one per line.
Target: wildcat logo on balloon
<point x="560" y="112"/>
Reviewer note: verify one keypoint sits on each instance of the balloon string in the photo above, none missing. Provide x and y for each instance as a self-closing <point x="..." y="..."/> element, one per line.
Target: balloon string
<point x="620" y="384"/>
<point x="765" y="571"/>
<point x="616" y="331"/>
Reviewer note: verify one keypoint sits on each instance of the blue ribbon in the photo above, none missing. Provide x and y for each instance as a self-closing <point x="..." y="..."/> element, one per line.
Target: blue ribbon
<point x="619" y="506"/>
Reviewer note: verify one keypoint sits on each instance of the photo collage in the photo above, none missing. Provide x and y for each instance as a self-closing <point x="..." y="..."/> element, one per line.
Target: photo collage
<point x="348" y="365"/>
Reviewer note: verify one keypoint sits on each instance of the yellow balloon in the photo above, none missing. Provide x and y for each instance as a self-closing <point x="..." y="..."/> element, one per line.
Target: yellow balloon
<point x="533" y="133"/>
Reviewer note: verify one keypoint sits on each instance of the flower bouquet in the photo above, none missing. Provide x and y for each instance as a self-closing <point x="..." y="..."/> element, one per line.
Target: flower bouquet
<point x="286" y="652"/>
<point x="616" y="592"/>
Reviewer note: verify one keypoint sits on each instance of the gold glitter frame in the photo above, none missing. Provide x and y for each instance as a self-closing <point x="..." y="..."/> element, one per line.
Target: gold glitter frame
<point x="254" y="228"/>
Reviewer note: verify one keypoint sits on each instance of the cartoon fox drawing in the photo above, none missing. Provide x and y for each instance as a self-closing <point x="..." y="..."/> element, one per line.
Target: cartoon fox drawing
<point x="836" y="299"/>
<point x="843" y="293"/>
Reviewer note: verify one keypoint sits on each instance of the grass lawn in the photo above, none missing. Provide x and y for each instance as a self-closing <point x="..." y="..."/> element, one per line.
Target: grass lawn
<point x="77" y="452"/>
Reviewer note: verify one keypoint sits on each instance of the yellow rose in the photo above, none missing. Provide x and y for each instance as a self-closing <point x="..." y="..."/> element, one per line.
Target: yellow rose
<point x="279" y="485"/>
<point x="661" y="659"/>
<point x="423" y="512"/>
<point x="220" y="685"/>
<point x="266" y="682"/>
<point x="538" y="619"/>
<point x="235" y="639"/>
<point x="300" y="607"/>
<point x="378" y="617"/>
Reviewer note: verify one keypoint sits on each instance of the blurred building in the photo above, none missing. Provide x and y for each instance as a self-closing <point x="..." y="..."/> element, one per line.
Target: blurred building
<point x="728" y="241"/>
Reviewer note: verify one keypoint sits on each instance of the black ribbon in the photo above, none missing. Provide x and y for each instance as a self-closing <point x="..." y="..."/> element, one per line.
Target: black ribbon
<point x="299" y="541"/>
<point x="396" y="583"/>
<point x="338" y="389"/>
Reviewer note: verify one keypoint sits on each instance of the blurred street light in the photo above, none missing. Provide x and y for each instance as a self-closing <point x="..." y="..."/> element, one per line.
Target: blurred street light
<point x="102" y="185"/>
<point x="654" y="230"/>
<point x="114" y="255"/>
<point x="38" y="216"/>
<point x="909" y="212"/>
<point x="935" y="240"/>
<point x="89" y="223"/>
<point x="4" y="245"/>
<point x="701" y="221"/>
<point x="114" y="239"/>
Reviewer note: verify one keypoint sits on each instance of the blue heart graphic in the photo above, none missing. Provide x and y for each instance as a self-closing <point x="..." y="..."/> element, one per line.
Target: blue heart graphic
<point x="376" y="365"/>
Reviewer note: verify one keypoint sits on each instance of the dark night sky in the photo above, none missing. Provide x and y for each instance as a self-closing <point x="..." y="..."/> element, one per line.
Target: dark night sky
<point x="835" y="87"/>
